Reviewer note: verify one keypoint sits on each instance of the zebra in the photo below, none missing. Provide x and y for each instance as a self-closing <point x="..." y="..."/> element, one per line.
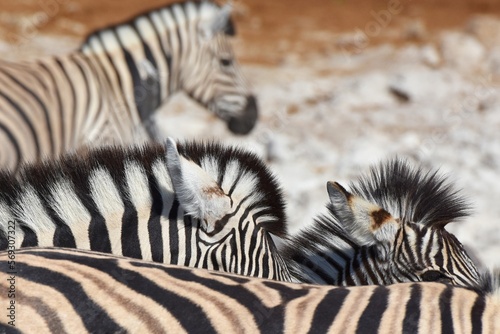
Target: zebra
<point x="108" y="90"/>
<point x="122" y="201"/>
<point x="388" y="229"/>
<point x="198" y="204"/>
<point x="75" y="291"/>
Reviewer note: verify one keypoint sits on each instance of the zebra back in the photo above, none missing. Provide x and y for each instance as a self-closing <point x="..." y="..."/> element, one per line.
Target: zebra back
<point x="62" y="290"/>
<point x="195" y="204"/>
<point x="388" y="229"/>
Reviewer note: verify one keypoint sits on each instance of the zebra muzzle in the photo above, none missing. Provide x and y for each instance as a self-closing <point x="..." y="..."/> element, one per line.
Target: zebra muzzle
<point x="243" y="124"/>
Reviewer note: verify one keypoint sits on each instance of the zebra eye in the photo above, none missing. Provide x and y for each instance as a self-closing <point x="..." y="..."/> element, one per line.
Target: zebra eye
<point x="225" y="62"/>
<point x="434" y="276"/>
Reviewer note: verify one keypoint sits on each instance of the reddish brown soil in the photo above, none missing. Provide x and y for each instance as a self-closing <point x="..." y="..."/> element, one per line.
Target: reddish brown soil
<point x="269" y="29"/>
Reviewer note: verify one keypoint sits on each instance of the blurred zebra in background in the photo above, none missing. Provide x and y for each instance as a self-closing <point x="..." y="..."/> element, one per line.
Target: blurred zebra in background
<point x="388" y="229"/>
<point x="110" y="88"/>
<point x="192" y="204"/>
<point x="72" y="291"/>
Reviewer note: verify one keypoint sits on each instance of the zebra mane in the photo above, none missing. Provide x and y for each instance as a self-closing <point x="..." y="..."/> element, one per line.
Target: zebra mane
<point x="412" y="194"/>
<point x="229" y="29"/>
<point x="489" y="282"/>
<point x="265" y="192"/>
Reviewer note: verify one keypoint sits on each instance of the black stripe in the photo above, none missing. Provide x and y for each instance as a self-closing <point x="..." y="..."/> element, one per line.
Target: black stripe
<point x="98" y="233"/>
<point x="372" y="315"/>
<point x="327" y="310"/>
<point x="131" y="246"/>
<point x="8" y="329"/>
<point x="439" y="256"/>
<point x="477" y="315"/>
<point x="30" y="239"/>
<point x="412" y="311"/>
<point x="173" y="231"/>
<point x="154" y="223"/>
<point x="188" y="228"/>
<point x="445" y="309"/>
<point x="244" y="235"/>
<point x="91" y="314"/>
<point x="63" y="237"/>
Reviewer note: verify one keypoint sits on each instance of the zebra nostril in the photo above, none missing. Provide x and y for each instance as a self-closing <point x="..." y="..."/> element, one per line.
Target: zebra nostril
<point x="243" y="124"/>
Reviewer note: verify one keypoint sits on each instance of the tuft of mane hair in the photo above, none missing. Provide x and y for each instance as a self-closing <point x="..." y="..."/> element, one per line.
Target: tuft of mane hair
<point x="489" y="282"/>
<point x="79" y="168"/>
<point x="412" y="194"/>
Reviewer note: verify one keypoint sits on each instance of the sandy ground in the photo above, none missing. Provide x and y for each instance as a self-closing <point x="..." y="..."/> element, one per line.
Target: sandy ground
<point x="341" y="85"/>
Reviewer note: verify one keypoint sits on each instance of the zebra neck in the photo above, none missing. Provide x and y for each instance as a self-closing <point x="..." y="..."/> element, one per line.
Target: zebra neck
<point x="134" y="66"/>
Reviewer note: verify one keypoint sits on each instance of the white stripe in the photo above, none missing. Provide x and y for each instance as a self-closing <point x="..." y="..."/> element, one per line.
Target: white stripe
<point x="31" y="212"/>
<point x="6" y="219"/>
<point x="71" y="210"/>
<point x="167" y="194"/>
<point x="140" y="196"/>
<point x="107" y="199"/>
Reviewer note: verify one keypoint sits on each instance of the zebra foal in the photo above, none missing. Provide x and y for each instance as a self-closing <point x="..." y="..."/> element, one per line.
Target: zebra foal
<point x="194" y="204"/>
<point x="388" y="229"/>
<point x="74" y="291"/>
<point x="109" y="89"/>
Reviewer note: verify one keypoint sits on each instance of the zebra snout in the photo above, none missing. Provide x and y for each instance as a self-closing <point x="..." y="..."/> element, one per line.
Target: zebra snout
<point x="243" y="124"/>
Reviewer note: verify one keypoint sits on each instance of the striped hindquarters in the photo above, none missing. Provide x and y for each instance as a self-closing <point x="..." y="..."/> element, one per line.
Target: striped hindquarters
<point x="59" y="290"/>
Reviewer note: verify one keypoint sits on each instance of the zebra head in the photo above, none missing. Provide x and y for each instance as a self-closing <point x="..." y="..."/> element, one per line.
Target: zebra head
<point x="235" y="201"/>
<point x="389" y="228"/>
<point x="409" y="248"/>
<point x="210" y="73"/>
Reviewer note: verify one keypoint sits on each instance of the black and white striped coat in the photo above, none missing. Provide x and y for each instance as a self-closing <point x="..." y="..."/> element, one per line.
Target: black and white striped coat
<point x="389" y="228"/>
<point x="73" y="291"/>
<point x="109" y="89"/>
<point x="193" y="204"/>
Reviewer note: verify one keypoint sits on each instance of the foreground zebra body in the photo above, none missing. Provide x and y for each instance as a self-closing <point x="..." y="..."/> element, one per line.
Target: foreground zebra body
<point x="72" y="291"/>
<point x="199" y="205"/>
<point x="110" y="88"/>
<point x="388" y="229"/>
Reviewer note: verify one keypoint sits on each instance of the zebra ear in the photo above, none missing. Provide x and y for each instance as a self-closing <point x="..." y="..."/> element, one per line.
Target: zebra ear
<point x="365" y="222"/>
<point x="198" y="193"/>
<point x="219" y="22"/>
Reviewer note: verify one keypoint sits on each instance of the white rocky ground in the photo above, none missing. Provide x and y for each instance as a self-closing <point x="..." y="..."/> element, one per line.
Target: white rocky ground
<point x="331" y="116"/>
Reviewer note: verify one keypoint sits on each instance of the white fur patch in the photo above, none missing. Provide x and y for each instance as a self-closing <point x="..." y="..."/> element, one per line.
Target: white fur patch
<point x="71" y="210"/>
<point x="109" y="203"/>
<point x="167" y="194"/>
<point x="140" y="196"/>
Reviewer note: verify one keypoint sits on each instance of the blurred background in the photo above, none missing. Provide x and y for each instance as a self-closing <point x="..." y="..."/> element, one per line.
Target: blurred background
<point x="341" y="85"/>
